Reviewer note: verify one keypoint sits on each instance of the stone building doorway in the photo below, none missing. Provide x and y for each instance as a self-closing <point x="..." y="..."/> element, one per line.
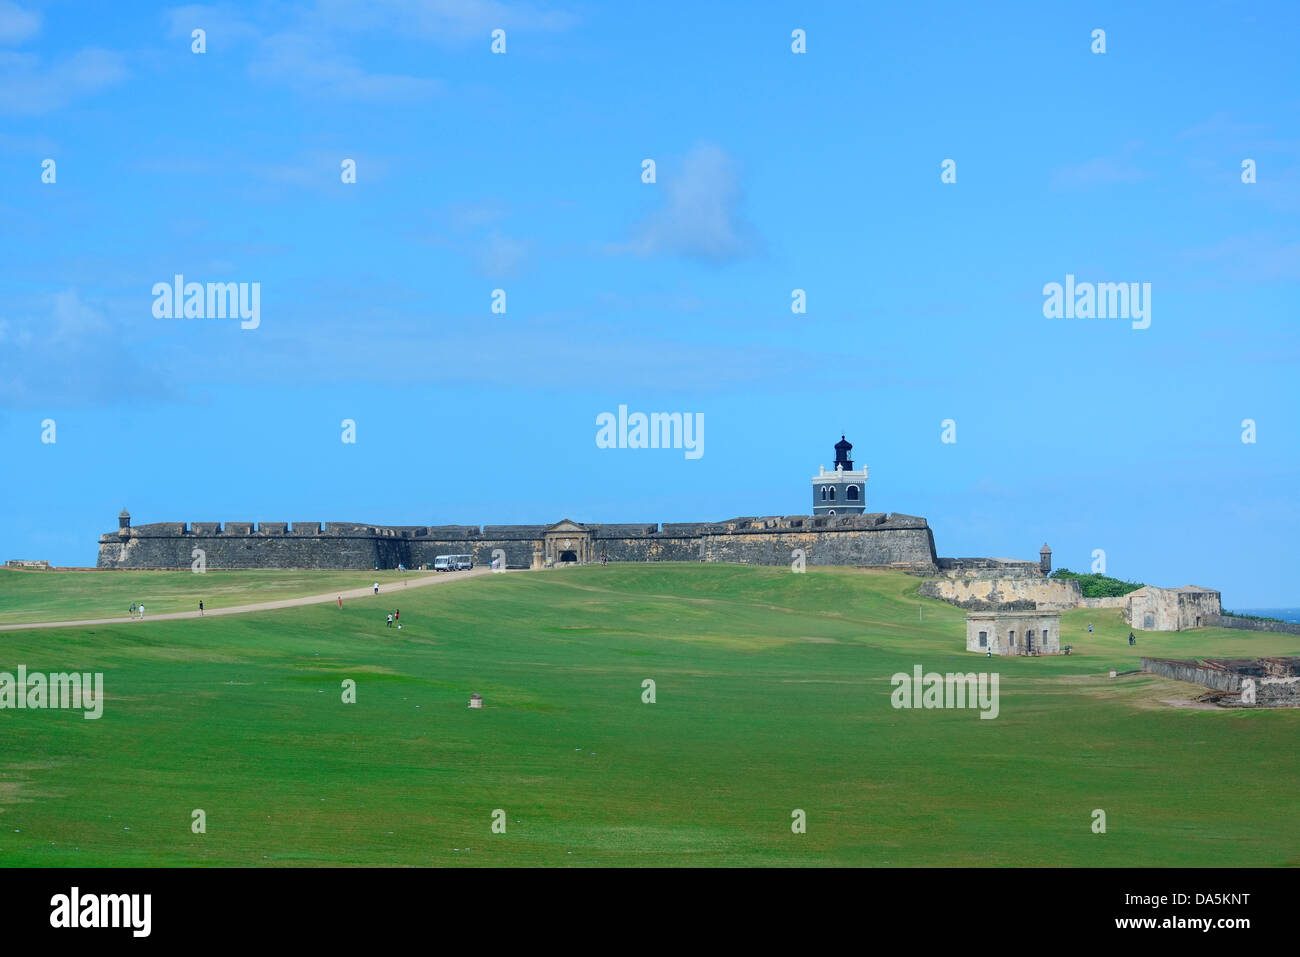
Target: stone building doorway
<point x="567" y="543"/>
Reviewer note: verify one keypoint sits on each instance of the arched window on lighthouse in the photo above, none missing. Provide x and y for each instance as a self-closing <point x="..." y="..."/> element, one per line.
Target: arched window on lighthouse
<point x="852" y="493"/>
<point x="832" y="490"/>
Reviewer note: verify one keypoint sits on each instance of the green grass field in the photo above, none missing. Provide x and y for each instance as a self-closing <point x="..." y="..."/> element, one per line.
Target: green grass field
<point x="32" y="595"/>
<point x="773" y="694"/>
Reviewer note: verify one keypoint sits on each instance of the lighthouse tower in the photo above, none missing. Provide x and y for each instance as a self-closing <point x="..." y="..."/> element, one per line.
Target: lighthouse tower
<point x="841" y="491"/>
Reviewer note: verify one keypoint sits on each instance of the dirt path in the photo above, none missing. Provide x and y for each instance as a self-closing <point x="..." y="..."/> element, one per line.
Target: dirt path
<point x="386" y="591"/>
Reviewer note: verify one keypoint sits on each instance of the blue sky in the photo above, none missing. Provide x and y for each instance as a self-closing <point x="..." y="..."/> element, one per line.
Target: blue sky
<point x="775" y="171"/>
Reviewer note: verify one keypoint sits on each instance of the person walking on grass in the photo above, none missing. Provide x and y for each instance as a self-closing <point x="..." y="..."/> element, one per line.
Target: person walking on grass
<point x="1131" y="640"/>
<point x="132" y="609"/>
<point x="376" y="588"/>
<point x="141" y="606"/>
<point x="390" y="619"/>
<point x="340" y="602"/>
<point x="200" y="607"/>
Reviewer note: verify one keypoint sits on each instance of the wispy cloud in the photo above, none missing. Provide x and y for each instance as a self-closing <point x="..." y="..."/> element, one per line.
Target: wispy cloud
<point x="223" y="26"/>
<point x="30" y="86"/>
<point x="476" y="229"/>
<point x="17" y="24"/>
<point x="1222" y="126"/>
<point x="303" y="51"/>
<point x="66" y="349"/>
<point x="306" y="46"/>
<point x="700" y="217"/>
<point x="441" y="20"/>
<point x="321" y="169"/>
<point x="501" y="256"/>
<point x="1255" y="257"/>
<point x="311" y="64"/>
<point x="1118" y="167"/>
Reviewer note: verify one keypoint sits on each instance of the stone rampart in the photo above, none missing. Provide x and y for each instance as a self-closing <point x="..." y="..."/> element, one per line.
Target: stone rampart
<point x="875" y="540"/>
<point x="984" y="593"/>
<point x="1253" y="624"/>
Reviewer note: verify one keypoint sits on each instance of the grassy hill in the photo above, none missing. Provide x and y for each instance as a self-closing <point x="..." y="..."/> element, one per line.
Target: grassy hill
<point x="773" y="694"/>
<point x="38" y="595"/>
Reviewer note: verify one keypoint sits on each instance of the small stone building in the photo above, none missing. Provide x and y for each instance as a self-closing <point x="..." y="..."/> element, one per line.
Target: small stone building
<point x="1014" y="632"/>
<point x="1171" y="609"/>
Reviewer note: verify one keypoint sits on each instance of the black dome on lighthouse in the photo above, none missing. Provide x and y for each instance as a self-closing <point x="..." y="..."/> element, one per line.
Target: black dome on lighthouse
<point x="843" y="454"/>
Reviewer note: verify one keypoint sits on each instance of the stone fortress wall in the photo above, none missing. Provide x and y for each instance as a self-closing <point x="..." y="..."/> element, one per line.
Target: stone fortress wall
<point x="983" y="593"/>
<point x="1254" y="624"/>
<point x="902" y="541"/>
<point x="867" y="540"/>
<point x="840" y="532"/>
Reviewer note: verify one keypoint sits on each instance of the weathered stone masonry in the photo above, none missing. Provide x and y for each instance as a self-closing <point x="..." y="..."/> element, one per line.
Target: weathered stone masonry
<point x="1274" y="682"/>
<point x="877" y="539"/>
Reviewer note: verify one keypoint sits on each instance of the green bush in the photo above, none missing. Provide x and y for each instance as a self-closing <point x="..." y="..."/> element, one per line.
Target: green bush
<point x="1098" y="586"/>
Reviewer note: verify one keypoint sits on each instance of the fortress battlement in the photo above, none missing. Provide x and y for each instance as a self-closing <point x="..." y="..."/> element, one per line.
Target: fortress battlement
<point x="872" y="539"/>
<point x="745" y="524"/>
<point x="839" y="532"/>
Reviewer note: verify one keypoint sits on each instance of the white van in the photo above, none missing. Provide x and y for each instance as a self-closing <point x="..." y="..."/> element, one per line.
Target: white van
<point x="452" y="563"/>
<point x="443" y="563"/>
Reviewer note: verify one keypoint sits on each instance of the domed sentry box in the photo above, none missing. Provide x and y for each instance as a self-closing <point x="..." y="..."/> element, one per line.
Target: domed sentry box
<point x="476" y="700"/>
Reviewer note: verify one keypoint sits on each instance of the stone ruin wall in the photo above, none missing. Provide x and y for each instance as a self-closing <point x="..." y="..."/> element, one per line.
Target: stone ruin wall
<point x="1277" y="680"/>
<point x="977" y="594"/>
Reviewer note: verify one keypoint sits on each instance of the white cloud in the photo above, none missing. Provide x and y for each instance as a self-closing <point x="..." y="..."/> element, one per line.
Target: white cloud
<point x="306" y="45"/>
<point x="1256" y="257"/>
<point x="30" y="86"/>
<point x="441" y="20"/>
<point x="222" y="26"/>
<point x="310" y="64"/>
<point x="66" y="347"/>
<point x="700" y="218"/>
<point x="501" y="256"/>
<point x="17" y="24"/>
<point x="1101" y="170"/>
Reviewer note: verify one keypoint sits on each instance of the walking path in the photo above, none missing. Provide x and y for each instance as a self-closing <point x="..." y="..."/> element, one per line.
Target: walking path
<point x="385" y="591"/>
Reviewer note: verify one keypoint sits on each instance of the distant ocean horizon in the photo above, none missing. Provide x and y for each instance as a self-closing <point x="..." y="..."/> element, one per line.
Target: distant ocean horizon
<point x="1286" y="614"/>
